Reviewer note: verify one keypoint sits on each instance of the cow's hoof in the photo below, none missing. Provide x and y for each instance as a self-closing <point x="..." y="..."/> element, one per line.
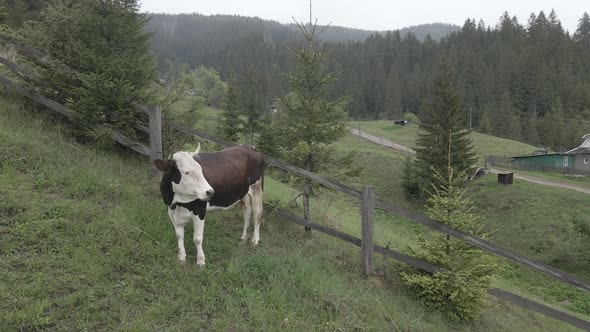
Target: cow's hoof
<point x="201" y="262"/>
<point x="254" y="243"/>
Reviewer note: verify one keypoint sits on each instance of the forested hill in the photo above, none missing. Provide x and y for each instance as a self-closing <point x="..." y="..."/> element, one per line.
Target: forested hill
<point x="528" y="81"/>
<point x="195" y="39"/>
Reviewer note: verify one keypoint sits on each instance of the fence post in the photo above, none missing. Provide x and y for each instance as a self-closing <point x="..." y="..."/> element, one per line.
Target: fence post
<point x="155" y="113"/>
<point x="306" y="213"/>
<point x="367" y="213"/>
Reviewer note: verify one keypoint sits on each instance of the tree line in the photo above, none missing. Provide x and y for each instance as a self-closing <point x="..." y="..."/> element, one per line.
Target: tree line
<point x="529" y="82"/>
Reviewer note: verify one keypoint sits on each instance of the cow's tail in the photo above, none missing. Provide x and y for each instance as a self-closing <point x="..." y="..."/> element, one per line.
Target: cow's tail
<point x="262" y="176"/>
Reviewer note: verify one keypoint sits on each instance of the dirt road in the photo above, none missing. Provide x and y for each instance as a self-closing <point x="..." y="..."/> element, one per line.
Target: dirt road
<point x="528" y="178"/>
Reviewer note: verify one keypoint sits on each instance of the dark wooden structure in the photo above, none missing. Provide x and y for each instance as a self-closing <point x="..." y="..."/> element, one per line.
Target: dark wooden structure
<point x="506" y="178"/>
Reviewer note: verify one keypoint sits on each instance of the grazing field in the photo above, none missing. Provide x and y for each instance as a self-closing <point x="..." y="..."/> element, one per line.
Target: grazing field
<point x="581" y="181"/>
<point x="85" y="244"/>
<point x="406" y="136"/>
<point x="548" y="224"/>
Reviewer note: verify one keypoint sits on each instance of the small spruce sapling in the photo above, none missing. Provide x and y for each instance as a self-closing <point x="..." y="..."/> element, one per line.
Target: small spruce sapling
<point x="460" y="291"/>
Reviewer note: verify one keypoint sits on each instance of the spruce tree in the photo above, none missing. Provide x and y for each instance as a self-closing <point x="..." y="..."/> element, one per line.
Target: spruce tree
<point x="311" y="122"/>
<point x="105" y="44"/>
<point x="252" y="104"/>
<point x="443" y="132"/>
<point x="582" y="34"/>
<point x="231" y="124"/>
<point x="460" y="290"/>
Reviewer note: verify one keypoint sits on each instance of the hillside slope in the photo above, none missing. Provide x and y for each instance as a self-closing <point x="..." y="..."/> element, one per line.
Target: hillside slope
<point x="85" y="244"/>
<point x="483" y="144"/>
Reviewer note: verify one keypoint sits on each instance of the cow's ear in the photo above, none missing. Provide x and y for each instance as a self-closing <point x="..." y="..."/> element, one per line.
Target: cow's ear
<point x="163" y="165"/>
<point x="197" y="150"/>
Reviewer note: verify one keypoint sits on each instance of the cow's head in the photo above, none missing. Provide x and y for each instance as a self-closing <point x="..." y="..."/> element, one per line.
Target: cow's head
<point x="188" y="181"/>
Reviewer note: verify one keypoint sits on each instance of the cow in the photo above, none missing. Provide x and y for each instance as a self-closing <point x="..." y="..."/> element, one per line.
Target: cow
<point x="194" y="183"/>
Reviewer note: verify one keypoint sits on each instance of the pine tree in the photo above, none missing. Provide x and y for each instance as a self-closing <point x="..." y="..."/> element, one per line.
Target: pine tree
<point x="557" y="126"/>
<point x="311" y="122"/>
<point x="443" y="131"/>
<point x="484" y="120"/>
<point x="252" y="104"/>
<point x="231" y="124"/>
<point x="106" y="45"/>
<point x="460" y="291"/>
<point x="582" y="34"/>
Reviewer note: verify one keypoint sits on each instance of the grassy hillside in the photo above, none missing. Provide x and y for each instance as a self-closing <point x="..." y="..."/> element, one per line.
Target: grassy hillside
<point x="548" y="224"/>
<point x="85" y="243"/>
<point x="484" y="144"/>
<point x="566" y="225"/>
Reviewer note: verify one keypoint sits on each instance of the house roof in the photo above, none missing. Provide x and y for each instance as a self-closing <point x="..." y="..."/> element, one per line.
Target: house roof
<point x="540" y="155"/>
<point x="584" y="148"/>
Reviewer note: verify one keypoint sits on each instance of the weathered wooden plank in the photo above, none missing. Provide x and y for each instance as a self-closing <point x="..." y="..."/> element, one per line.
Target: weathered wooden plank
<point x="540" y="308"/>
<point x="134" y="145"/>
<point x="198" y="133"/>
<point x="116" y="136"/>
<point x="487" y="246"/>
<point x="37" y="55"/>
<point x="22" y="47"/>
<point x="367" y="218"/>
<point x="306" y="210"/>
<point x="321" y="228"/>
<point x="18" y="69"/>
<point x="155" y="132"/>
<point x="36" y="97"/>
<point x="313" y="177"/>
<point x="415" y="262"/>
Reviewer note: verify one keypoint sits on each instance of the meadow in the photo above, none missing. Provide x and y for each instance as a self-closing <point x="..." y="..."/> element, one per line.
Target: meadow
<point x="406" y="136"/>
<point x="85" y="244"/>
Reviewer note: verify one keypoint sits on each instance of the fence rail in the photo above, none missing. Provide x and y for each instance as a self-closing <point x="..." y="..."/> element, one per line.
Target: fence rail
<point x="367" y="198"/>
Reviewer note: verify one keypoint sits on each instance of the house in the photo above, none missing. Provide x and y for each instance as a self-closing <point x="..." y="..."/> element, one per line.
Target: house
<point x="582" y="156"/>
<point x="576" y="161"/>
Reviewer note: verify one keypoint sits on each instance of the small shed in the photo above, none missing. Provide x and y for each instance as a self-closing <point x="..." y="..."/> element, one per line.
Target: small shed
<point x="505" y="178"/>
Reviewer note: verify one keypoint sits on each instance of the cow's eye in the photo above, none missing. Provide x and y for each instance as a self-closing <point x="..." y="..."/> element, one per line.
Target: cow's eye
<point x="186" y="173"/>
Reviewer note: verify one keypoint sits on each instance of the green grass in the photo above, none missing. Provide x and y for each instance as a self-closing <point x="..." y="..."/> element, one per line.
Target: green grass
<point x="85" y="244"/>
<point x="581" y="181"/>
<point x="406" y="136"/>
<point x="383" y="170"/>
<point x="529" y="219"/>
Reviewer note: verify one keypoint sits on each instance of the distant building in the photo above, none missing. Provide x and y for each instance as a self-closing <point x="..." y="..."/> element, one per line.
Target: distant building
<point x="576" y="161"/>
<point x="582" y="156"/>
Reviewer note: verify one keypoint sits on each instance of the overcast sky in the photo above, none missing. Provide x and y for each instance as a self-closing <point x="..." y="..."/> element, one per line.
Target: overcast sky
<point x="378" y="14"/>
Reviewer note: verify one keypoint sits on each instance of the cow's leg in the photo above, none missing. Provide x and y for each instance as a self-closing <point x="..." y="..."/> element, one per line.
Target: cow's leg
<point x="180" y="239"/>
<point x="199" y="225"/>
<point x="257" y="201"/>
<point x="246" y="204"/>
<point x="178" y="220"/>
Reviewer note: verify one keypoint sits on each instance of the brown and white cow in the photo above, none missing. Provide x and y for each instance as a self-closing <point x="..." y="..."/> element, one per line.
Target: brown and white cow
<point x="194" y="183"/>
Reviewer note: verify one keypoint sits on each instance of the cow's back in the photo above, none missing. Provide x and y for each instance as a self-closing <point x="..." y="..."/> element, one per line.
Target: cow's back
<point x="231" y="172"/>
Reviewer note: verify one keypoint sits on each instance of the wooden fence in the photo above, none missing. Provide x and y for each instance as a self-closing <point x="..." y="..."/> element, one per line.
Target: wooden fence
<point x="366" y="196"/>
